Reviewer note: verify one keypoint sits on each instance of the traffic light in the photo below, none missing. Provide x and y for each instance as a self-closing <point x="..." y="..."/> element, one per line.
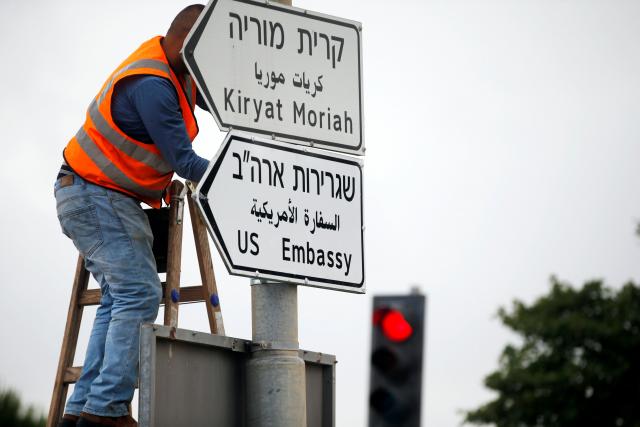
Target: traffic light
<point x="396" y="360"/>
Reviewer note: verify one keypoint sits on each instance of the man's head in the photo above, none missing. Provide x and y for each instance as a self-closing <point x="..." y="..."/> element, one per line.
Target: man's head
<point x="173" y="41"/>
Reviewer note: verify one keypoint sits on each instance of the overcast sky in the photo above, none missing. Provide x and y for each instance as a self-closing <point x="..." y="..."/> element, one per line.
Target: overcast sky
<point x="502" y="139"/>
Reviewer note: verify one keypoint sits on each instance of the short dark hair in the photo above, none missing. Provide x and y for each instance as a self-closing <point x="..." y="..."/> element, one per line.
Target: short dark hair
<point x="184" y="20"/>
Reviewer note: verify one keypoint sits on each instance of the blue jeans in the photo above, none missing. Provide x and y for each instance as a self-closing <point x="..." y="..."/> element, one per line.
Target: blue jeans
<point x="113" y="234"/>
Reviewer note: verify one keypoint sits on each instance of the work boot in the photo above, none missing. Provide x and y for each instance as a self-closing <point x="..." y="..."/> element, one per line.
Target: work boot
<point x="90" y="420"/>
<point x="68" y="420"/>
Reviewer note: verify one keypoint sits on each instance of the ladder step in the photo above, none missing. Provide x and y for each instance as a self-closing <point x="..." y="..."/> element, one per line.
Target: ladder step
<point x="72" y="373"/>
<point x="187" y="294"/>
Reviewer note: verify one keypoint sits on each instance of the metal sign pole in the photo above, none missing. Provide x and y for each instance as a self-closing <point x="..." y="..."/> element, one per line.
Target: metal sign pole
<point x="275" y="373"/>
<point x="276" y="391"/>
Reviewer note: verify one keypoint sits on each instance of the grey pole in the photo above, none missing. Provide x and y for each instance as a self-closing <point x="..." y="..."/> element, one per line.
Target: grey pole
<point x="276" y="386"/>
<point x="276" y="391"/>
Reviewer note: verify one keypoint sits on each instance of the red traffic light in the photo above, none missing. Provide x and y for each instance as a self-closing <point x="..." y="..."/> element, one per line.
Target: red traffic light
<point x="394" y="325"/>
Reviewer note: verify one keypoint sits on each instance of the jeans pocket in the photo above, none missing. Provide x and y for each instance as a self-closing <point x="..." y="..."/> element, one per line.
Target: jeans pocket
<point x="81" y="225"/>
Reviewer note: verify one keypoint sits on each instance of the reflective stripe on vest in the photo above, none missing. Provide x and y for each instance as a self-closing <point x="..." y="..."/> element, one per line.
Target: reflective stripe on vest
<point x="109" y="169"/>
<point x="154" y="64"/>
<point x="126" y="145"/>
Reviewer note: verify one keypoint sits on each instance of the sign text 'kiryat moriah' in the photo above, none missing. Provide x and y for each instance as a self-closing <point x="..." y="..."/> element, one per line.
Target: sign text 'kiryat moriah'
<point x="282" y="212"/>
<point x="281" y="71"/>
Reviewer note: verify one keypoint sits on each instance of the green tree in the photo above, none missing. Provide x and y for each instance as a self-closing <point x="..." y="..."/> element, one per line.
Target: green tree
<point x="578" y="363"/>
<point x="13" y="415"/>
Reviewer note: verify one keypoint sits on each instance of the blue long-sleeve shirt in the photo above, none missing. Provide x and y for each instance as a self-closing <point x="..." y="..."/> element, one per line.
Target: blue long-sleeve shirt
<point x="146" y="108"/>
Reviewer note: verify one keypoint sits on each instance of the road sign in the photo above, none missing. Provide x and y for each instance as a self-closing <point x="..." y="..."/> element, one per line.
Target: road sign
<point x="288" y="213"/>
<point x="285" y="72"/>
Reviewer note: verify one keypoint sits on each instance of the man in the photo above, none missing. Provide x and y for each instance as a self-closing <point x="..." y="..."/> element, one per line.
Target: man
<point x="138" y="131"/>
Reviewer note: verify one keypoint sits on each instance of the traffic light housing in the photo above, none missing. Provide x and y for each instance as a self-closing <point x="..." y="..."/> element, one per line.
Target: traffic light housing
<point x="397" y="341"/>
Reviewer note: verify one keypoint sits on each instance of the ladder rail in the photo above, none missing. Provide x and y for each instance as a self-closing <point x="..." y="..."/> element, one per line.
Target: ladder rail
<point x="69" y="343"/>
<point x="205" y="263"/>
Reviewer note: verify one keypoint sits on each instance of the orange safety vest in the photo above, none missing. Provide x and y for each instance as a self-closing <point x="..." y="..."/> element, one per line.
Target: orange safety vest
<point x="104" y="155"/>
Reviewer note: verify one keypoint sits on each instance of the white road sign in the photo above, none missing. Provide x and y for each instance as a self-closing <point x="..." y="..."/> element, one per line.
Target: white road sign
<point x="289" y="73"/>
<point x="288" y="213"/>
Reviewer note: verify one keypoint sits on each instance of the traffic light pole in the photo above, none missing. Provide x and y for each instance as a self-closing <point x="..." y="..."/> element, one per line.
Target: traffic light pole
<point x="276" y="391"/>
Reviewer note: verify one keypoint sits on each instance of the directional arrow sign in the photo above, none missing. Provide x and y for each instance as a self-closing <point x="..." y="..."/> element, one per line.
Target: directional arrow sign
<point x="285" y="72"/>
<point x="288" y="213"/>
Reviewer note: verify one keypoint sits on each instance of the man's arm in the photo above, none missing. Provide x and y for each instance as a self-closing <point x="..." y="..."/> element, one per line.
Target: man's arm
<point x="156" y="100"/>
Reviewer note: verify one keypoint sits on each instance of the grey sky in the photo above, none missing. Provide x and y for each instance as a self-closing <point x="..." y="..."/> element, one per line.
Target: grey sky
<point x="502" y="138"/>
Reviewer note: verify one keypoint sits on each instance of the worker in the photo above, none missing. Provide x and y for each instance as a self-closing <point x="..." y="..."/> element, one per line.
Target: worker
<point x="138" y="131"/>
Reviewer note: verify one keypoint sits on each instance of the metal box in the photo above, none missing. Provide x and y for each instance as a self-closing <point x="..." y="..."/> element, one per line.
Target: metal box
<point x="196" y="379"/>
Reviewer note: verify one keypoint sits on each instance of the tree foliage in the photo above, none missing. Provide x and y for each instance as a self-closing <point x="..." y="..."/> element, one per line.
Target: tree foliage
<point x="578" y="363"/>
<point x="13" y="415"/>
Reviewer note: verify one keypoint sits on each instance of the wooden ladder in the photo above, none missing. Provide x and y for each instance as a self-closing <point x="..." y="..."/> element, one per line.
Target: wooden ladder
<point x="166" y="224"/>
